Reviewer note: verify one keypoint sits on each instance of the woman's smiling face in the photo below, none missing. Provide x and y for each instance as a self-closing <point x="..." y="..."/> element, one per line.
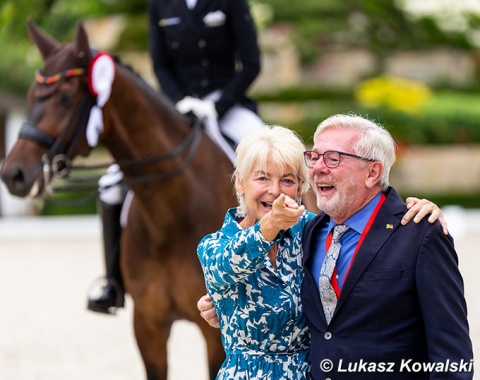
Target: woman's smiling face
<point x="264" y="185"/>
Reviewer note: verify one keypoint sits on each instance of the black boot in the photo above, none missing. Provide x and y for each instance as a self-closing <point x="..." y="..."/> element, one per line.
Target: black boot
<point x="112" y="295"/>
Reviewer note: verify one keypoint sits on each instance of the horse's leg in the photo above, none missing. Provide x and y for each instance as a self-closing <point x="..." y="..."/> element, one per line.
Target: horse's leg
<point x="189" y="284"/>
<point x="152" y="336"/>
<point x="215" y="350"/>
<point x="151" y="312"/>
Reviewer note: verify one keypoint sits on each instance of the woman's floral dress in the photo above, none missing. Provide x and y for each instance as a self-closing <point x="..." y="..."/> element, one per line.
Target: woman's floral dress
<point x="264" y="330"/>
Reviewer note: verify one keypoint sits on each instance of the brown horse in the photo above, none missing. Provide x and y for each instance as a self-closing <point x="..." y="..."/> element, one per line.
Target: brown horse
<point x="180" y="178"/>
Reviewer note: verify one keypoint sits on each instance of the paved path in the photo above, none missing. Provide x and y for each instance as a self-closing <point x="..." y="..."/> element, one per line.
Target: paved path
<point x="46" y="268"/>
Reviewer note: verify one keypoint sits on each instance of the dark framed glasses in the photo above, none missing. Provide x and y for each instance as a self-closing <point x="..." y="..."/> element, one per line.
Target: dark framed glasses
<point x="331" y="158"/>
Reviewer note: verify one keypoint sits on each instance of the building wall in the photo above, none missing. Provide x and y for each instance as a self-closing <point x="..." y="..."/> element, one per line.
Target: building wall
<point x="445" y="169"/>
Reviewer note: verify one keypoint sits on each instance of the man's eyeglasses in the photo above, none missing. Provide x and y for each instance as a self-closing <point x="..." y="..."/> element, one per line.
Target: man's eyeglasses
<point x="331" y="158"/>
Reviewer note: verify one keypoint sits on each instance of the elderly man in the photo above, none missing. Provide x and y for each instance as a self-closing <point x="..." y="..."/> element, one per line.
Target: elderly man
<point x="383" y="300"/>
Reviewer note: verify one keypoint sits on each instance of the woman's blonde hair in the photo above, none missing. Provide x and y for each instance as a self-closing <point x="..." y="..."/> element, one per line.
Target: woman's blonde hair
<point x="276" y="145"/>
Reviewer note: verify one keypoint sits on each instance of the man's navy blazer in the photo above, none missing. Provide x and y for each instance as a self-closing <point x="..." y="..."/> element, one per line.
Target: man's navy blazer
<point x="401" y="307"/>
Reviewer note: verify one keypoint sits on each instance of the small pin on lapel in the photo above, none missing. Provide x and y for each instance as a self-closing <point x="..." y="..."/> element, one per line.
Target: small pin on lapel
<point x="389" y="226"/>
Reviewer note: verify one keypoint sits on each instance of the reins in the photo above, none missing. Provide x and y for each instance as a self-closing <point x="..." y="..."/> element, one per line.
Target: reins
<point x="191" y="142"/>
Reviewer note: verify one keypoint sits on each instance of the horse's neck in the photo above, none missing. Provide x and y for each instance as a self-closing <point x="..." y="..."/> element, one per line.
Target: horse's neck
<point x="138" y="122"/>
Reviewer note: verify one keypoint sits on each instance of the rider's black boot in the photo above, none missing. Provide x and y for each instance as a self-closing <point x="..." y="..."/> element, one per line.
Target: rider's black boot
<point x="112" y="295"/>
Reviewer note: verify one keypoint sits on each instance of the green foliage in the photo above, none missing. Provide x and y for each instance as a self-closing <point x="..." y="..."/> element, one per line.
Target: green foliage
<point x="466" y="200"/>
<point x="20" y="74"/>
<point x="285" y="10"/>
<point x="59" y="18"/>
<point x="303" y="93"/>
<point x="429" y="128"/>
<point x="378" y="25"/>
<point x="13" y="14"/>
<point x="316" y="24"/>
<point x="135" y="35"/>
<point x="447" y="118"/>
<point x="16" y="71"/>
<point x="79" y="203"/>
<point x="319" y="26"/>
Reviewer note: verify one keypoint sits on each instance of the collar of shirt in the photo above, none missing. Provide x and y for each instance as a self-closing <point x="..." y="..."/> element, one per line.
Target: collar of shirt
<point x="191" y="3"/>
<point x="233" y="213"/>
<point x="359" y="220"/>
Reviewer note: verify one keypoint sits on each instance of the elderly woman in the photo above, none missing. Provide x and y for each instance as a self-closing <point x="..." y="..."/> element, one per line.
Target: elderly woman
<point x="252" y="265"/>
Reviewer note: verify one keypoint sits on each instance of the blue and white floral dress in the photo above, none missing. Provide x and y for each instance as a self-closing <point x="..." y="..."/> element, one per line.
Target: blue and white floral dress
<point x="264" y="330"/>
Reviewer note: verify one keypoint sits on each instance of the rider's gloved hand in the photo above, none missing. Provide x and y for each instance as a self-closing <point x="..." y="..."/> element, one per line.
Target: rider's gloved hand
<point x="203" y="109"/>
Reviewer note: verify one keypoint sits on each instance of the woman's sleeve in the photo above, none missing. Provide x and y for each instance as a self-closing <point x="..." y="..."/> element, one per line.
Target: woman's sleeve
<point x="229" y="259"/>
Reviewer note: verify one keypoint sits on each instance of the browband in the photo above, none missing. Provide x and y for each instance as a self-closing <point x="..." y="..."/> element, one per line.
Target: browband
<point x="55" y="78"/>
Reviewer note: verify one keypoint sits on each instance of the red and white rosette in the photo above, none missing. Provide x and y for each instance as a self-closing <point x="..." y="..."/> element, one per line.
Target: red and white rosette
<point x="101" y="74"/>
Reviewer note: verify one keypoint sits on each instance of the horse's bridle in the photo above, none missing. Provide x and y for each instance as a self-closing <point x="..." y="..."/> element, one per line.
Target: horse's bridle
<point x="56" y="162"/>
<point x="57" y="159"/>
<point x="59" y="149"/>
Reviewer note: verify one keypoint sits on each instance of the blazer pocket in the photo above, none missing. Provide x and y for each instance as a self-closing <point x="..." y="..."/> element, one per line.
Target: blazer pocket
<point x="214" y="19"/>
<point x="383" y="275"/>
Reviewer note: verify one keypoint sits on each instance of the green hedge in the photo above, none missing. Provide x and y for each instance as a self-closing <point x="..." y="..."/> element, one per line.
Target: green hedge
<point x="465" y="200"/>
<point x="70" y="203"/>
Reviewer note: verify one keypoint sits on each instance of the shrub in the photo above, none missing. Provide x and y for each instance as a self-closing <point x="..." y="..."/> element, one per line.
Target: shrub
<point x="392" y="93"/>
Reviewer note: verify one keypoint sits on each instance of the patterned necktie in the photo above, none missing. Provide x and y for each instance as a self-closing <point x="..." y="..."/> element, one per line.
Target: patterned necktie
<point x="327" y="294"/>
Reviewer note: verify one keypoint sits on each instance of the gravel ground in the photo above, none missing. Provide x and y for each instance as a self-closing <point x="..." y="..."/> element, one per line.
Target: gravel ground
<point x="46" y="268"/>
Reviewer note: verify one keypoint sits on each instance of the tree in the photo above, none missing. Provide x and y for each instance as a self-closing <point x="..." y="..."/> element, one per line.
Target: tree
<point x="381" y="26"/>
<point x="59" y="18"/>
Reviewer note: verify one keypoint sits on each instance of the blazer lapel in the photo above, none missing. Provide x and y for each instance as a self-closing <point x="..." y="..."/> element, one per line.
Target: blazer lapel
<point x="200" y="11"/>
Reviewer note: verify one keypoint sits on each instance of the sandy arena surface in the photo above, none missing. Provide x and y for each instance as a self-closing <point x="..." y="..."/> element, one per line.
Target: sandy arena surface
<point x="46" y="268"/>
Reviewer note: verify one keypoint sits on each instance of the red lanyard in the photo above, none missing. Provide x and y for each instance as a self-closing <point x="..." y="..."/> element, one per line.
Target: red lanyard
<point x="334" y="280"/>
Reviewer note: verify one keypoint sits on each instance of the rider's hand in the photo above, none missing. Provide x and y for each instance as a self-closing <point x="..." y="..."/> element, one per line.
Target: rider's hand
<point x="203" y="109"/>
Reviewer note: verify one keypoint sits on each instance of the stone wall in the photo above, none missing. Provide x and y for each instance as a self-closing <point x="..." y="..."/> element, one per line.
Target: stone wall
<point x="437" y="169"/>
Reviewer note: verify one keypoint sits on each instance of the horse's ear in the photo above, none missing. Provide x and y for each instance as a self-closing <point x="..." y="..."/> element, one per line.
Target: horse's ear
<point x="45" y="43"/>
<point x="82" y="47"/>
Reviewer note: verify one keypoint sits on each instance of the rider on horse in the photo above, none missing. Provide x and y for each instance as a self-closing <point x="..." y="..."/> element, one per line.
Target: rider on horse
<point x="205" y="58"/>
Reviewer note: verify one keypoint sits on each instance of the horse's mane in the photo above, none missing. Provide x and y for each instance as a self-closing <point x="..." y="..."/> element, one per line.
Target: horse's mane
<point x="130" y="68"/>
<point x="134" y="73"/>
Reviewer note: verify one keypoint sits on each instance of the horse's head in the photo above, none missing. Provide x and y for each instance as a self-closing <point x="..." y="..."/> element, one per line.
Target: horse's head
<point x="59" y="105"/>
